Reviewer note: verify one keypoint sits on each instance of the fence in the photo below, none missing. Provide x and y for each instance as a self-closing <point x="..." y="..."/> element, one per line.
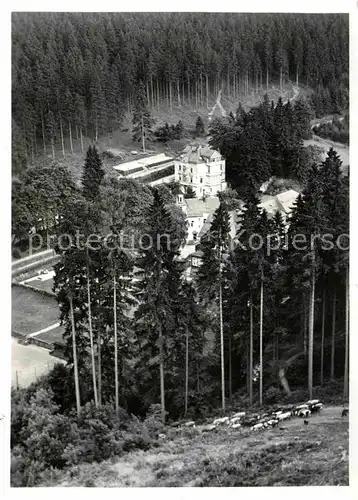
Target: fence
<point x="24" y="378"/>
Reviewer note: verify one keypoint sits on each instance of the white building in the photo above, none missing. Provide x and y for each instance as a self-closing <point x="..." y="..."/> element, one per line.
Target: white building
<point x="198" y="214"/>
<point x="201" y="168"/>
<point x="141" y="169"/>
<point x="282" y="202"/>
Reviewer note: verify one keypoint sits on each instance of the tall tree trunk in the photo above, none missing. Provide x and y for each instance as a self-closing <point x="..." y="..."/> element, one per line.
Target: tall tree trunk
<point x="251" y="350"/>
<point x="178" y="92"/>
<point x="222" y="347"/>
<point x="230" y="368"/>
<point x="62" y="139"/>
<point x="53" y="148"/>
<point x="196" y="94"/>
<point x="283" y="380"/>
<point x="43" y="132"/>
<point x="152" y="91"/>
<point x="143" y="135"/>
<point x="261" y="327"/>
<point x="311" y="330"/>
<point x="281" y="80"/>
<point x="74" y="352"/>
<point x="91" y="336"/>
<point x="322" y="336"/>
<point x="186" y="371"/>
<point x="81" y="137"/>
<point x="346" y="351"/>
<point x="70" y="130"/>
<point x="148" y="95"/>
<point x="115" y="326"/>
<point x="170" y="95"/>
<point x="99" y="367"/>
<point x="297" y="76"/>
<point x="158" y="96"/>
<point x="248" y="367"/>
<point x="305" y="323"/>
<point x="207" y="91"/>
<point x="96" y="127"/>
<point x="221" y="334"/>
<point x="201" y="89"/>
<point x="333" y="345"/>
<point x="267" y="78"/>
<point x="161" y="370"/>
<point x="35" y="141"/>
<point x="77" y="136"/>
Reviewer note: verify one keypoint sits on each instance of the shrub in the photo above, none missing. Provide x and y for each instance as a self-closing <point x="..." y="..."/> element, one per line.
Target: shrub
<point x="273" y="395"/>
<point x="153" y="420"/>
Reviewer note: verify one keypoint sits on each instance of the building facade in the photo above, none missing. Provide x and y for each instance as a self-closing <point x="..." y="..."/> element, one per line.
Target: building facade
<point x="202" y="169"/>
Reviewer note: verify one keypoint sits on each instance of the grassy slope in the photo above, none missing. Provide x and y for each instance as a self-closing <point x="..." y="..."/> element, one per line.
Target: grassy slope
<point x="32" y="311"/>
<point x="296" y="455"/>
<point x="121" y="140"/>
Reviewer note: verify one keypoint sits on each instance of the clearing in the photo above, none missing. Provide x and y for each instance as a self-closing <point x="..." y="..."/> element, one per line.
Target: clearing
<point x="291" y="455"/>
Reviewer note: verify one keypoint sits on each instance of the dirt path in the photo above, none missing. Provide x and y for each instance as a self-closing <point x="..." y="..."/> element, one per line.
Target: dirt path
<point x="217" y="105"/>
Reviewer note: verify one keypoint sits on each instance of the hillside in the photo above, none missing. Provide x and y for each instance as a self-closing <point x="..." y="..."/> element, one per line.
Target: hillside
<point x="120" y="142"/>
<point x="291" y="455"/>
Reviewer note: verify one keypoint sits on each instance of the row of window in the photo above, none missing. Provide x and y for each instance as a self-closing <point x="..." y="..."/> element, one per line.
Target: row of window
<point x="207" y="168"/>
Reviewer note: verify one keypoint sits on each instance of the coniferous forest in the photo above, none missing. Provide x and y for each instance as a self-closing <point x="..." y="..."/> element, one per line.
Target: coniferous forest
<point x="144" y="347"/>
<point x="76" y="73"/>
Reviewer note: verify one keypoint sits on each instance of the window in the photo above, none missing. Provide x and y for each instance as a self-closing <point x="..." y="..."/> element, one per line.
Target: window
<point x="191" y="179"/>
<point x="201" y="180"/>
<point x="194" y="236"/>
<point x="191" y="170"/>
<point x="192" y="223"/>
<point x="204" y="221"/>
<point x="179" y="167"/>
<point x="221" y="167"/>
<point x="180" y="177"/>
<point x="208" y="169"/>
<point x="180" y="198"/>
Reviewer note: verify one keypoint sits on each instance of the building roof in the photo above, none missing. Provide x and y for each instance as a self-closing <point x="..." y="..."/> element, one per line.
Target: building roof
<point x="197" y="154"/>
<point x="143" y="162"/>
<point x="287" y="199"/>
<point x="270" y="204"/>
<point x="197" y="208"/>
<point x="206" y="225"/>
<point x="282" y="202"/>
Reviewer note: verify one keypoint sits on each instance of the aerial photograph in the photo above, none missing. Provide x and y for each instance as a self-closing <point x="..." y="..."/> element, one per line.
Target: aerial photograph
<point x="180" y="249"/>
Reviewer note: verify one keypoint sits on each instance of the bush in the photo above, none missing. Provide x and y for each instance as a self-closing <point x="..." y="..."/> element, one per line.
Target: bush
<point x="153" y="420"/>
<point x="273" y="395"/>
<point x="43" y="439"/>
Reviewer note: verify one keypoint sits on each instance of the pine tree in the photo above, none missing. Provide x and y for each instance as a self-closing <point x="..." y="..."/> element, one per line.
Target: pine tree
<point x="159" y="277"/>
<point x="199" y="126"/>
<point x="142" y="121"/>
<point x="93" y="174"/>
<point x="210" y="274"/>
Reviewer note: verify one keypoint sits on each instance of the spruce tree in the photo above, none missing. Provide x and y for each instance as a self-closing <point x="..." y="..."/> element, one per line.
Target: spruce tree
<point x="142" y="121"/>
<point x="199" y="126"/>
<point x="210" y="274"/>
<point x="93" y="174"/>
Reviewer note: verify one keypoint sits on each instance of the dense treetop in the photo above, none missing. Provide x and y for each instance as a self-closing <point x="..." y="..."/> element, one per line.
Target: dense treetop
<point x="80" y="70"/>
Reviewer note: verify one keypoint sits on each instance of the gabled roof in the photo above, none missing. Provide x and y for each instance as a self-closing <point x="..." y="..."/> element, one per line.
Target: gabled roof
<point x="206" y="225"/>
<point x="197" y="154"/>
<point x="287" y="199"/>
<point x="197" y="208"/>
<point x="270" y="204"/>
